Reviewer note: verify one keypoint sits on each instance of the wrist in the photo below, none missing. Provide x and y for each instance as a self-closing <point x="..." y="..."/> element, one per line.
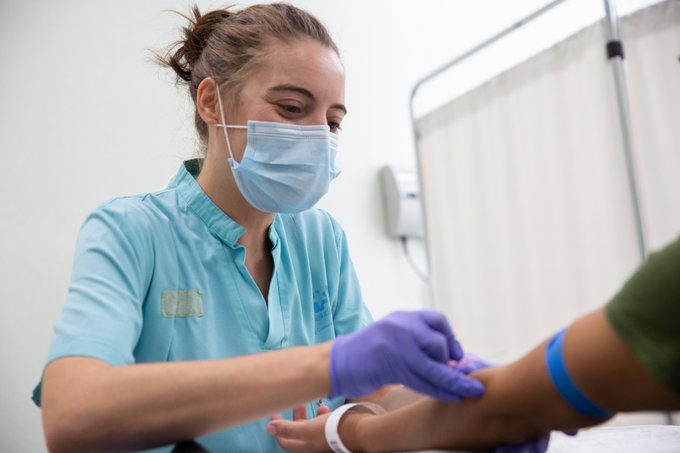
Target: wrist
<point x="319" y="366"/>
<point x="342" y="427"/>
<point x="350" y="429"/>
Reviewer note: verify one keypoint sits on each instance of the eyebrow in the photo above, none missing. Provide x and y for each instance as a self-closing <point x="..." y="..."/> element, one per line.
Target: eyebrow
<point x="306" y="93"/>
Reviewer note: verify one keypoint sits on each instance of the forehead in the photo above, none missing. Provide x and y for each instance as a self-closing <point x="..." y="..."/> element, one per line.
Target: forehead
<point x="304" y="63"/>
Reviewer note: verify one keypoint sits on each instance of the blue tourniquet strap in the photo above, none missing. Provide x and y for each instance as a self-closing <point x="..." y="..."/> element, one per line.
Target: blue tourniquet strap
<point x="557" y="370"/>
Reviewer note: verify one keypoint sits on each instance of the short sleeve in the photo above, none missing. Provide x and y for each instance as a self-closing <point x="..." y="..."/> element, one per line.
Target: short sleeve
<point x="646" y="314"/>
<point x="349" y="311"/>
<point x="113" y="262"/>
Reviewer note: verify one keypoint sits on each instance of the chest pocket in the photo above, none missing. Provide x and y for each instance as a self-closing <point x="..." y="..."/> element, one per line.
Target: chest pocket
<point x="181" y="304"/>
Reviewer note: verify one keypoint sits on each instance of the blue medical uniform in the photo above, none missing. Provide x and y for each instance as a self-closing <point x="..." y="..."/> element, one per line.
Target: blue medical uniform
<point x="161" y="277"/>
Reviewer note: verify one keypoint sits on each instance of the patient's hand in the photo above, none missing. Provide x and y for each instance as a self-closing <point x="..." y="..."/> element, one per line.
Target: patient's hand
<point x="300" y="435"/>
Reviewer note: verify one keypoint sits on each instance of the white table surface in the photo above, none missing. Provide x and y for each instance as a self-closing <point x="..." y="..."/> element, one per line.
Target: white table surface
<point x="615" y="439"/>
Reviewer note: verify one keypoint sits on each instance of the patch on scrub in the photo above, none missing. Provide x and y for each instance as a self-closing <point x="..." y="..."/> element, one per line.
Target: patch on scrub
<point x="322" y="312"/>
<point x="181" y="304"/>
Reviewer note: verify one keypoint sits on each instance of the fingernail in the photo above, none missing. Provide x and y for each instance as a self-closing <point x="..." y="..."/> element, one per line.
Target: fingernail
<point x="271" y="429"/>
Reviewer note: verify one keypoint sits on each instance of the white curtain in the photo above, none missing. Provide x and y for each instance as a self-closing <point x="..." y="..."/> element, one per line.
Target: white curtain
<point x="527" y="204"/>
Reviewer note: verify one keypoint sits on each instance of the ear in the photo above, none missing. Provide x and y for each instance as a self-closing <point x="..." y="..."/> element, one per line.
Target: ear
<point x="207" y="106"/>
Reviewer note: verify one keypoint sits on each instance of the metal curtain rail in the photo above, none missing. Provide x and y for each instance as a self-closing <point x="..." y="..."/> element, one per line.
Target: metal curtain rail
<point x="615" y="54"/>
<point x="464" y="56"/>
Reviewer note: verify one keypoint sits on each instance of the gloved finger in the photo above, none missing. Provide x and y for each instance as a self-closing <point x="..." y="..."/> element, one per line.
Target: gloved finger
<point x="472" y="366"/>
<point x="447" y="384"/>
<point x="542" y="444"/>
<point x="438" y="322"/>
<point x="434" y="344"/>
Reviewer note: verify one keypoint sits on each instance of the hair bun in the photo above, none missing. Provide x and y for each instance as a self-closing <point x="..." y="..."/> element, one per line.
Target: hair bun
<point x="183" y="55"/>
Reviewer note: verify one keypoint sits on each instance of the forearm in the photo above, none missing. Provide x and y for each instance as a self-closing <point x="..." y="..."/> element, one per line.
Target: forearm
<point x="392" y="397"/>
<point x="519" y="404"/>
<point x="94" y="406"/>
<point x="520" y="401"/>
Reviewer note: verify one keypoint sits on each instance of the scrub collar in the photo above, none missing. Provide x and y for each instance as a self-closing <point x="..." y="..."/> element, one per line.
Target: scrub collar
<point x="220" y="224"/>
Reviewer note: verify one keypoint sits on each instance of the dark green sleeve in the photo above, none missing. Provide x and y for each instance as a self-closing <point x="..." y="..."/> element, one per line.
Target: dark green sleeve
<point x="646" y="314"/>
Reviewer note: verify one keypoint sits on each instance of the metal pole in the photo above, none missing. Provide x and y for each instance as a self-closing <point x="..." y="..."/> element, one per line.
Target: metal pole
<point x="616" y="57"/>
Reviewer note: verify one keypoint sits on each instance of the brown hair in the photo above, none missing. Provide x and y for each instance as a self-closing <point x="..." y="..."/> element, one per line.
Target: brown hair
<point x="228" y="45"/>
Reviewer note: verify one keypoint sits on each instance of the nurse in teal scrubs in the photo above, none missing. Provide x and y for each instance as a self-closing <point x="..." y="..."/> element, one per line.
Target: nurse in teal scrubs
<point x="199" y="311"/>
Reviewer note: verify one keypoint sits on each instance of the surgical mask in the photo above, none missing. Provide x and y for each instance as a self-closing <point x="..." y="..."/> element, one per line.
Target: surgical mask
<point x="285" y="168"/>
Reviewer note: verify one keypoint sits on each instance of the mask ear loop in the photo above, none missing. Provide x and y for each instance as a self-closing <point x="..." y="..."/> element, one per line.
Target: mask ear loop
<point x="225" y="126"/>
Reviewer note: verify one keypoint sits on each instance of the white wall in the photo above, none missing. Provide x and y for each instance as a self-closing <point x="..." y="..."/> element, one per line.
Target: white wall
<point x="84" y="116"/>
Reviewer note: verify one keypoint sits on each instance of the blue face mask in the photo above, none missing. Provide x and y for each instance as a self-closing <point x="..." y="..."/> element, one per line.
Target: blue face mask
<point x="285" y="167"/>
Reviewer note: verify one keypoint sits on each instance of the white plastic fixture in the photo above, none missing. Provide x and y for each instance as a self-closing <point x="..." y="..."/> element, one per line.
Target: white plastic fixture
<point x="401" y="191"/>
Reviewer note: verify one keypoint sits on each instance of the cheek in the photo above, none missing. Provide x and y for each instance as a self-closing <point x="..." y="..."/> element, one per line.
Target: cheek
<point x="238" y="143"/>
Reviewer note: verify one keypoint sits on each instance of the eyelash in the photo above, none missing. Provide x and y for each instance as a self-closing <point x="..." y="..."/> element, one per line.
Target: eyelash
<point x="286" y="108"/>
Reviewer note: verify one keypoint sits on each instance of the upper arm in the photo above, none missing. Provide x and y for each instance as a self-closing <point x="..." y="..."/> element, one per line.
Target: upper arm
<point x="65" y="384"/>
<point x="608" y="372"/>
<point x="102" y="316"/>
<point x="112" y="268"/>
<point x="603" y="368"/>
<point x="64" y="378"/>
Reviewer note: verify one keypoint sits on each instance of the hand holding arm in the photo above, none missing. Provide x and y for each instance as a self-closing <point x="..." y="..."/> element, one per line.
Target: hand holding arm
<point x="521" y="402"/>
<point x="409" y="348"/>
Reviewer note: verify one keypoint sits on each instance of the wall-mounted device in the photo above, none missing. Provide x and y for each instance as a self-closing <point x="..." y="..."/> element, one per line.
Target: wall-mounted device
<point x="401" y="191"/>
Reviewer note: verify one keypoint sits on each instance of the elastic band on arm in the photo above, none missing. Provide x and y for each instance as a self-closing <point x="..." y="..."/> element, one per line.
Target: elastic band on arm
<point x="554" y="359"/>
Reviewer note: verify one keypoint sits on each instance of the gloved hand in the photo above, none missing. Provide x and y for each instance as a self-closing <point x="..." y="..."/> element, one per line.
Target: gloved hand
<point x="409" y="348"/>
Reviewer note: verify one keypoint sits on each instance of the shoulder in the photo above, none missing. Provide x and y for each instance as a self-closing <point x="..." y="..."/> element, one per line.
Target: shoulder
<point x="136" y="217"/>
<point x="139" y="208"/>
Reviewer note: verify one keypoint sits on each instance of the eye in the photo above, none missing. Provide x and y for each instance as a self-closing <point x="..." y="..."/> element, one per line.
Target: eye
<point x="290" y="108"/>
<point x="335" y="127"/>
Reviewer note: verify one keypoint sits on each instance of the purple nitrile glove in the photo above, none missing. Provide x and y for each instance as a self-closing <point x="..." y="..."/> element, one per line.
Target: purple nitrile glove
<point x="539" y="445"/>
<point x="471" y="363"/>
<point x="409" y="348"/>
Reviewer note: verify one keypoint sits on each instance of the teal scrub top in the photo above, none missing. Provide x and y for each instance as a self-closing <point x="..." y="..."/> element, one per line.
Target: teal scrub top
<point x="161" y="277"/>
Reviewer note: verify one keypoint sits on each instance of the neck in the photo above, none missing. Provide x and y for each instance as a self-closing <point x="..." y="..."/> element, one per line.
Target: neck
<point x="218" y="183"/>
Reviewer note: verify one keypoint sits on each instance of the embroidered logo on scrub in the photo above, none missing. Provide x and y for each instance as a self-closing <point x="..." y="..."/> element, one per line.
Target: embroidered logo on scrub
<point x="322" y="314"/>
<point x="181" y="304"/>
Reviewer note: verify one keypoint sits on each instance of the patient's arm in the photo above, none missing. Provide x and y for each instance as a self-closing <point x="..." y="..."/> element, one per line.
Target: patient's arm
<point x="520" y="402"/>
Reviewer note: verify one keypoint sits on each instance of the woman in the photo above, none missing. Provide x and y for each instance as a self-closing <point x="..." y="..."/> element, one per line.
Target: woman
<point x="184" y="302"/>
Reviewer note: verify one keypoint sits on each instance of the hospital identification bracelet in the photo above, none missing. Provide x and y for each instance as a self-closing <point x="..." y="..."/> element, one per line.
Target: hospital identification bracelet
<point x="333" y="420"/>
<point x="554" y="359"/>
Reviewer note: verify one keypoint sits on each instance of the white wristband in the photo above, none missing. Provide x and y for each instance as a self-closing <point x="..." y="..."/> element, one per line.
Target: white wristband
<point x="333" y="420"/>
